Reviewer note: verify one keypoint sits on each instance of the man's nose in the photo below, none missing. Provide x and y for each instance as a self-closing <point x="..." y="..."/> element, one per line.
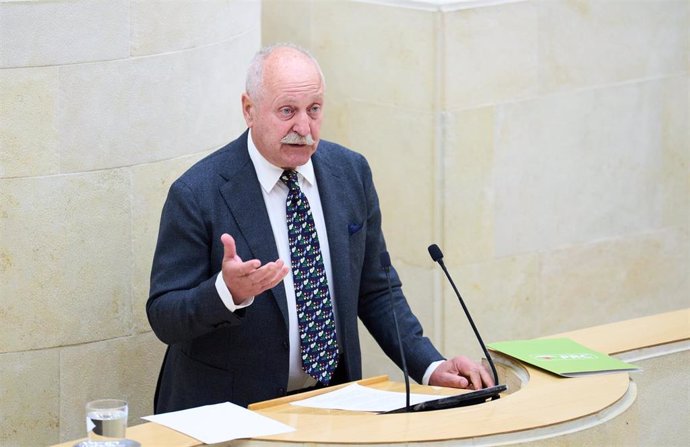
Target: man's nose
<point x="301" y="124"/>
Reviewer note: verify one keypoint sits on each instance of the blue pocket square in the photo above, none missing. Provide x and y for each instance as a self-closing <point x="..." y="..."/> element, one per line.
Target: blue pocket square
<point x="353" y="228"/>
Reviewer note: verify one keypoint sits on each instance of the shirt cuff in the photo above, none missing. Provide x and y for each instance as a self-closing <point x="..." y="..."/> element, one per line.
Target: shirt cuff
<point x="226" y="296"/>
<point x="429" y="371"/>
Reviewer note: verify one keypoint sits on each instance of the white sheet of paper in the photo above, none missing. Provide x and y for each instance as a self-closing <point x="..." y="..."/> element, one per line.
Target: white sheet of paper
<point x="355" y="397"/>
<point x="220" y="422"/>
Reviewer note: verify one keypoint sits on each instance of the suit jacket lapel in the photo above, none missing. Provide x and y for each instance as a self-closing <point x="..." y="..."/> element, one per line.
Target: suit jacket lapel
<point x="242" y="193"/>
<point x="332" y="183"/>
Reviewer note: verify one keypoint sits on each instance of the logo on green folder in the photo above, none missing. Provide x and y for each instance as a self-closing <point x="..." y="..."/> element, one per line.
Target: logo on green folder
<point x="565" y="356"/>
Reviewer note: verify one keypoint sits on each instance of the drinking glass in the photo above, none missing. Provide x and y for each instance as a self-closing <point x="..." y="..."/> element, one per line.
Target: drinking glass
<point x="106" y="420"/>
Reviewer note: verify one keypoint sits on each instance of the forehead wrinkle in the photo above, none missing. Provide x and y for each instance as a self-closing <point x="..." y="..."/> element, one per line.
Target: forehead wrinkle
<point x="299" y="90"/>
<point x="299" y="94"/>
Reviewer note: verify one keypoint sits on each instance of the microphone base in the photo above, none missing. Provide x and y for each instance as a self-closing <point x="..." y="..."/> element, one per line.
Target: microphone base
<point x="459" y="400"/>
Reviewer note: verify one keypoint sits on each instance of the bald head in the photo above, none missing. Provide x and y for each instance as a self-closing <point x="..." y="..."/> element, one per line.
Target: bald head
<point x="278" y="58"/>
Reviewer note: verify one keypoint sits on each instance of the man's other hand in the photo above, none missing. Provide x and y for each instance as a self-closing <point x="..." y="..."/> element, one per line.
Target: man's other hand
<point x="461" y="372"/>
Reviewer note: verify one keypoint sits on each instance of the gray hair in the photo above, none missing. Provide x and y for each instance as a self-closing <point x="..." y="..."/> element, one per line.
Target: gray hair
<point x="254" y="82"/>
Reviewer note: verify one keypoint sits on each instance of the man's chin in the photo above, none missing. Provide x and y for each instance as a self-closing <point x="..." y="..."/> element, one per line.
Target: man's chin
<point x="297" y="155"/>
<point x="308" y="149"/>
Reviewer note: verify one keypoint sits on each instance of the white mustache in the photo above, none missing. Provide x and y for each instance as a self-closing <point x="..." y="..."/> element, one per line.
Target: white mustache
<point x="295" y="138"/>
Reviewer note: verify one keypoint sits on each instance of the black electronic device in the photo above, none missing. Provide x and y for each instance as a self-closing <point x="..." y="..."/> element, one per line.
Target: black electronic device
<point x="455" y="401"/>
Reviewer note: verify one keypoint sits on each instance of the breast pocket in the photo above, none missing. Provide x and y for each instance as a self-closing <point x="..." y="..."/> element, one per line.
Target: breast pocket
<point x="354" y="228"/>
<point x="358" y="234"/>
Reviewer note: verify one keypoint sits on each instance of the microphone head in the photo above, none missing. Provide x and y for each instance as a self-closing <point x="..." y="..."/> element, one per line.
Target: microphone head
<point x="385" y="260"/>
<point x="435" y="252"/>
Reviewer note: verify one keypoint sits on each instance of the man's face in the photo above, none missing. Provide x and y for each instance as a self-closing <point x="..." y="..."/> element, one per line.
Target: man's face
<point x="288" y="108"/>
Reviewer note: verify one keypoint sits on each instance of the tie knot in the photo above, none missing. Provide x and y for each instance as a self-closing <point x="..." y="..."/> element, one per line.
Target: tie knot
<point x="289" y="177"/>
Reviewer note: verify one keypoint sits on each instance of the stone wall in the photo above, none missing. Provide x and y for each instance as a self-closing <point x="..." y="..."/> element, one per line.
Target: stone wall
<point x="542" y="144"/>
<point x="102" y="104"/>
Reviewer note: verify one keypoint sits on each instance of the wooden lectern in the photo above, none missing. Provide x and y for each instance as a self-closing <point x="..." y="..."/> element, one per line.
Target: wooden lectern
<point x="537" y="404"/>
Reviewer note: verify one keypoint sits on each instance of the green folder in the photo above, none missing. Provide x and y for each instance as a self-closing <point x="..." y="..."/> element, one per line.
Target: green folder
<point x="562" y="356"/>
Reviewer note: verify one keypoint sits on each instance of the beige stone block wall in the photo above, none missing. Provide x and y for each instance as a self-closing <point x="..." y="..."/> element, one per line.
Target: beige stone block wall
<point x="102" y="105"/>
<point x="543" y="145"/>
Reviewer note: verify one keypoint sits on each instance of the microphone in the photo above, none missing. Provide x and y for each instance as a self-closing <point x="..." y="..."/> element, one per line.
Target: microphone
<point x="386" y="265"/>
<point x="459" y="400"/>
<point x="437" y="256"/>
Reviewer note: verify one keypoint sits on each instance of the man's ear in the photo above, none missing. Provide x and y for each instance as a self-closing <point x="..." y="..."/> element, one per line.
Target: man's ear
<point x="248" y="109"/>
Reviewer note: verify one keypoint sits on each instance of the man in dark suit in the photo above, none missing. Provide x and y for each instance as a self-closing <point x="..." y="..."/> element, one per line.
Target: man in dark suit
<point x="224" y="295"/>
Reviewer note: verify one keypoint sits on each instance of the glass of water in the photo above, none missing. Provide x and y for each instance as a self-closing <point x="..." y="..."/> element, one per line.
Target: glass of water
<point x="106" y="420"/>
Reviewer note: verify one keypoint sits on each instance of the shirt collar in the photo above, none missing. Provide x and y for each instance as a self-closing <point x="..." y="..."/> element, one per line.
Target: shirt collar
<point x="269" y="174"/>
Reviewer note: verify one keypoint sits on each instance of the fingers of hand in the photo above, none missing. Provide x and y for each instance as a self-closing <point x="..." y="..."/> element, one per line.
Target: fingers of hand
<point x="475" y="380"/>
<point x="477" y="375"/>
<point x="242" y="269"/>
<point x="447" y="374"/>
<point x="486" y="377"/>
<point x="268" y="275"/>
<point x="451" y="380"/>
<point x="460" y="381"/>
<point x="246" y="279"/>
<point x="281" y="272"/>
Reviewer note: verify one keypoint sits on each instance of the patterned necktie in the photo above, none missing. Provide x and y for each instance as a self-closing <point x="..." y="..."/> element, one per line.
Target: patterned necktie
<point x="314" y="310"/>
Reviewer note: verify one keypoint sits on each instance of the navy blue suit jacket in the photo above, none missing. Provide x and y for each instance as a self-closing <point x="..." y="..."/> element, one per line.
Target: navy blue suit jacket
<point x="215" y="355"/>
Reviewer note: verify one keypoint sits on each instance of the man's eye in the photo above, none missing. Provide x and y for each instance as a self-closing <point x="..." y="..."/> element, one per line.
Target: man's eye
<point x="315" y="109"/>
<point x="286" y="111"/>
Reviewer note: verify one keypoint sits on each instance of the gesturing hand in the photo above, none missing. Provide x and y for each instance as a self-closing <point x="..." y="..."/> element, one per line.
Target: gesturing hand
<point x="461" y="372"/>
<point x="246" y="279"/>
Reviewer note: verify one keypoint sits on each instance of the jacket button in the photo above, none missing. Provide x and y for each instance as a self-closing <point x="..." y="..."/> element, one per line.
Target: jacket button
<point x="286" y="345"/>
<point x="281" y="391"/>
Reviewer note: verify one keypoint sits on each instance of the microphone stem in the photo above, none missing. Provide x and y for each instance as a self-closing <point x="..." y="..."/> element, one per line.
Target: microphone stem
<point x="474" y="328"/>
<point x="402" y="351"/>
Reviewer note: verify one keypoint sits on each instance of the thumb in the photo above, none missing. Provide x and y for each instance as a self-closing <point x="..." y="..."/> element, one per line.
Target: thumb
<point x="229" y="249"/>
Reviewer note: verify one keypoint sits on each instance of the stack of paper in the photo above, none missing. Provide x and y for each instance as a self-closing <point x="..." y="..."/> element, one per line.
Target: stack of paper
<point x="219" y="423"/>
